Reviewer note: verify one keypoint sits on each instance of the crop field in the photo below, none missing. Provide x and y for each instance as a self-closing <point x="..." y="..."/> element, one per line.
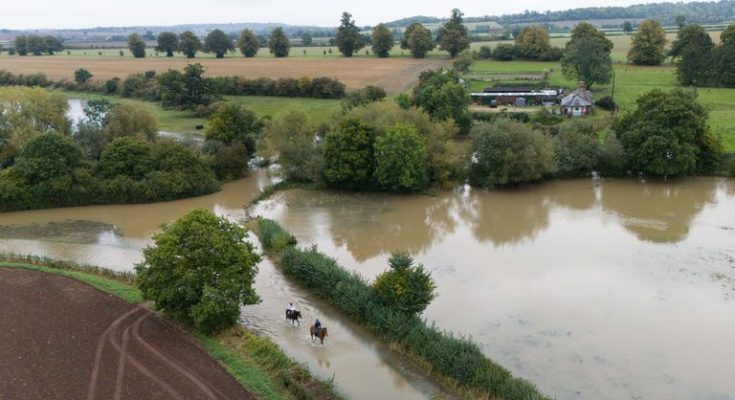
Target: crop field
<point x="630" y="83"/>
<point x="393" y="74"/>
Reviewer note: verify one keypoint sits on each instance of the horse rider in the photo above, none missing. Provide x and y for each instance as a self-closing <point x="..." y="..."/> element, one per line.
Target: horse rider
<point x="317" y="324"/>
<point x="291" y="308"/>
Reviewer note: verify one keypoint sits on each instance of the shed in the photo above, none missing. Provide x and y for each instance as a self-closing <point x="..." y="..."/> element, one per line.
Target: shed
<point x="578" y="103"/>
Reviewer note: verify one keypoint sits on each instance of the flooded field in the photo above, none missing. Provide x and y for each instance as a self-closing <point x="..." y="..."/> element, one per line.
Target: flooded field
<point x="590" y="289"/>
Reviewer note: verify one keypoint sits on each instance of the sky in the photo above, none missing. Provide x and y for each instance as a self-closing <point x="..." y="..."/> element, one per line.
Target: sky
<point x="36" y="14"/>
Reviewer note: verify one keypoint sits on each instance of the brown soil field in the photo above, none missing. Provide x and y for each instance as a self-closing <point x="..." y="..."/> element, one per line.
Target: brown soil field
<point x="62" y="339"/>
<point x="393" y="74"/>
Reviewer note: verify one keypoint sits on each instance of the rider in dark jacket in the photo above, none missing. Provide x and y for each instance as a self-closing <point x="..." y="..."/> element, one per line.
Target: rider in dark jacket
<point x="317" y="324"/>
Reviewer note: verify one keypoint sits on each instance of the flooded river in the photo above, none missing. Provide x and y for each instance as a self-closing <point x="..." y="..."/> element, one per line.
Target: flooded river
<point x="590" y="289"/>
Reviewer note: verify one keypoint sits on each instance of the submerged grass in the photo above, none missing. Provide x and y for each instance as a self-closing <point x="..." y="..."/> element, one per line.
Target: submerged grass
<point x="256" y="362"/>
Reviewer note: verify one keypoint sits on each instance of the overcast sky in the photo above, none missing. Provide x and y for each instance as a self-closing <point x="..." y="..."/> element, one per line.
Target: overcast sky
<point x="28" y="14"/>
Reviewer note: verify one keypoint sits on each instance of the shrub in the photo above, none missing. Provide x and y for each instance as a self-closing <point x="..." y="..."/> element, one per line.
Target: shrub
<point x="576" y="153"/>
<point x="405" y="287"/>
<point x="273" y="236"/>
<point x="200" y="271"/>
<point x="81" y="76"/>
<point x="607" y="103"/>
<point x="234" y="123"/>
<point x="504" y="52"/>
<point x="349" y="159"/>
<point x="401" y="160"/>
<point x="112" y="85"/>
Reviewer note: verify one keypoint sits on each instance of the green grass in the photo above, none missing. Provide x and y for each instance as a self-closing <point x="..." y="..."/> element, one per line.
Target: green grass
<point x="119" y="289"/>
<point x="320" y="110"/>
<point x="630" y="83"/>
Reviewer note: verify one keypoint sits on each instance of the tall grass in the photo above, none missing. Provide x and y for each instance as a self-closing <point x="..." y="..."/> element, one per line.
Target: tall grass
<point x="457" y="358"/>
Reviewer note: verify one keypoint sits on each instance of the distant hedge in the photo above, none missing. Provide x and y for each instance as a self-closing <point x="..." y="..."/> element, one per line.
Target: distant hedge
<point x="457" y="358"/>
<point x="145" y="85"/>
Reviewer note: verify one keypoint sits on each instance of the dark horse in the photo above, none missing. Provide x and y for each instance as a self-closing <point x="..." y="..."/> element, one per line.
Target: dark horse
<point x="320" y="333"/>
<point x="293" y="316"/>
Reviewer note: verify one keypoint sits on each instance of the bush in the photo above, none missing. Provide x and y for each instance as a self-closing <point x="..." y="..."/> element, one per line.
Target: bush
<point x="200" y="271"/>
<point x="273" y="236"/>
<point x="349" y="159"/>
<point x="505" y="52"/>
<point x="576" y="153"/>
<point x="112" y="85"/>
<point x="405" y="287"/>
<point x="485" y="53"/>
<point x="233" y="123"/>
<point x="363" y="97"/>
<point x="508" y="153"/>
<point x="401" y="160"/>
<point x="607" y="103"/>
<point x="81" y="76"/>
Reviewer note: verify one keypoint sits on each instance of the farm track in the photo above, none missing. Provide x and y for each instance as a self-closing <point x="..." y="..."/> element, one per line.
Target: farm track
<point x="393" y="74"/>
<point x="63" y="339"/>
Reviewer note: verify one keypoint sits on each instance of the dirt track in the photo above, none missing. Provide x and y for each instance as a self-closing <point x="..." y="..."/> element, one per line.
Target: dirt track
<point x="62" y="339"/>
<point x="393" y="74"/>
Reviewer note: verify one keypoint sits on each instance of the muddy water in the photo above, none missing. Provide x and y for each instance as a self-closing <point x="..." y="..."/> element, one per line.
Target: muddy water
<point x="592" y="290"/>
<point x="113" y="237"/>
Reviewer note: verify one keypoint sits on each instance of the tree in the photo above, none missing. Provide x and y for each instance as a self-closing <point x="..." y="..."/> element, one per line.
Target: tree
<point x="691" y="36"/>
<point x="349" y="159"/>
<point x="463" y="62"/>
<point x="233" y="123"/>
<point x="504" y="52"/>
<point x="306" y="39"/>
<point x="692" y="50"/>
<point x="185" y="91"/>
<point x="136" y="45"/>
<point x="292" y="138"/>
<point x="382" y="40"/>
<point x="248" y="43"/>
<point x="727" y="38"/>
<point x="53" y="44"/>
<point x="401" y="160"/>
<point x="279" y="44"/>
<point x="36" y="45"/>
<point x="219" y="43"/>
<point x="585" y="30"/>
<point x="130" y="119"/>
<point x="200" y="270"/>
<point x="628" y="28"/>
<point x="667" y="134"/>
<point x="417" y="39"/>
<point x="126" y="156"/>
<point x="509" y="153"/>
<point x="82" y="76"/>
<point x="588" y="60"/>
<point x="648" y="44"/>
<point x="533" y="43"/>
<point x="406" y="287"/>
<point x="576" y="152"/>
<point x="189" y="44"/>
<point x="49" y="156"/>
<point x="453" y="36"/>
<point x="680" y="20"/>
<point x="443" y="97"/>
<point x="348" y="38"/>
<point x="20" y="44"/>
<point x="168" y="42"/>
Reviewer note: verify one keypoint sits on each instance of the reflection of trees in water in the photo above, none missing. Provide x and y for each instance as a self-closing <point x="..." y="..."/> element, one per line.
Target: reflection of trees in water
<point x="658" y="211"/>
<point x="369" y="225"/>
<point x="84" y="232"/>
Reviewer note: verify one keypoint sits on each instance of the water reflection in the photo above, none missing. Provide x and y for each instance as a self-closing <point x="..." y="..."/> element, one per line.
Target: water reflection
<point x="658" y="212"/>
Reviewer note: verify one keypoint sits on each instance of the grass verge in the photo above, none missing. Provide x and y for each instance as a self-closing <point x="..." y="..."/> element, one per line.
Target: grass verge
<point x="254" y="361"/>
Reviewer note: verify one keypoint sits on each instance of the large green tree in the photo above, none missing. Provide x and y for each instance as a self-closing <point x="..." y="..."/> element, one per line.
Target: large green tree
<point x="168" y="42"/>
<point x="292" y="138"/>
<point x="279" y="44"/>
<point x="189" y="44"/>
<point x="648" y="44"/>
<point x="130" y="119"/>
<point x="453" y="36"/>
<point x="233" y="123"/>
<point x="349" y="159"/>
<point x="187" y="90"/>
<point x="383" y="40"/>
<point x="443" y="97"/>
<point x="248" y="43"/>
<point x="348" y="38"/>
<point x="692" y="50"/>
<point x="200" y="270"/>
<point x="667" y="135"/>
<point x="417" y="39"/>
<point x="137" y="45"/>
<point x="727" y="38"/>
<point x="219" y="43"/>
<point x="587" y="56"/>
<point x="533" y="43"/>
<point x="401" y="160"/>
<point x="509" y="153"/>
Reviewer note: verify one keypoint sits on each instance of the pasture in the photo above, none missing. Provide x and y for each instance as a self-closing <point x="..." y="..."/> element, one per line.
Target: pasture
<point x="393" y="74"/>
<point x="630" y="82"/>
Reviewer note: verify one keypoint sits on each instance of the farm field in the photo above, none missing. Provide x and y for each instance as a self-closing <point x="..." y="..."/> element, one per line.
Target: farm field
<point x="393" y="74"/>
<point x="630" y="83"/>
<point x="184" y="122"/>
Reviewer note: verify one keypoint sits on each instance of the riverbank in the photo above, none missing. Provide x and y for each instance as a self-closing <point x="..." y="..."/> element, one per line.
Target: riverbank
<point x="254" y="361"/>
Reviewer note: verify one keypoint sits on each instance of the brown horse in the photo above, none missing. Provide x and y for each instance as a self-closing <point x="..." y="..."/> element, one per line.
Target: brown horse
<point x="320" y="333"/>
<point x="293" y="316"/>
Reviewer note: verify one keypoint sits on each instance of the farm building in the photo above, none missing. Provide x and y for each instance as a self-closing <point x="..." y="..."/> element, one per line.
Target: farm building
<point x="516" y="96"/>
<point x="578" y="103"/>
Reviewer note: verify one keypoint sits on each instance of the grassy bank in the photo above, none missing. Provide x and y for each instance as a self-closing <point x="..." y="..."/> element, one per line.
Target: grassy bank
<point x="453" y="361"/>
<point x="256" y="362"/>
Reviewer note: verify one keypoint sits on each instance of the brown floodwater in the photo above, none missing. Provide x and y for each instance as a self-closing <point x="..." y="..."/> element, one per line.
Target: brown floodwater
<point x="114" y="236"/>
<point x="591" y="289"/>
